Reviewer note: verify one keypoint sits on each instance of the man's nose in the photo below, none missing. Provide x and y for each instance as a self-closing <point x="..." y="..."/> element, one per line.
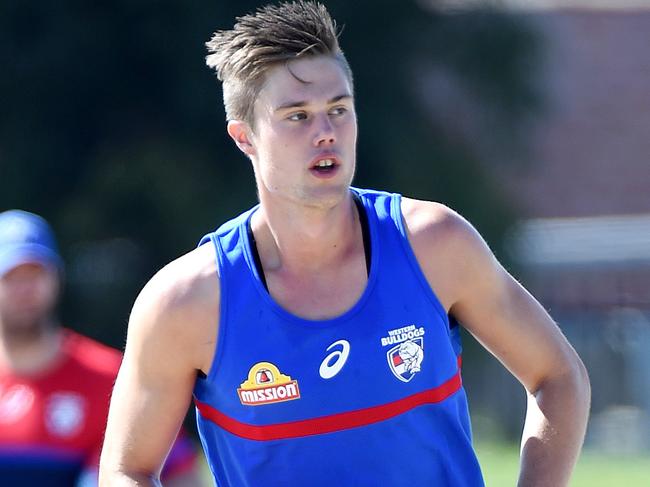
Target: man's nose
<point x="325" y="132"/>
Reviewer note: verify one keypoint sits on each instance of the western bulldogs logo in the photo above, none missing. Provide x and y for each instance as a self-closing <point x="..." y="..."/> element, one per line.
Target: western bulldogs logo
<point x="406" y="356"/>
<point x="405" y="359"/>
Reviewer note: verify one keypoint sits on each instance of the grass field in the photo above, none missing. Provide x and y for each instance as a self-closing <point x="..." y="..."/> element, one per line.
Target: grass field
<point x="499" y="463"/>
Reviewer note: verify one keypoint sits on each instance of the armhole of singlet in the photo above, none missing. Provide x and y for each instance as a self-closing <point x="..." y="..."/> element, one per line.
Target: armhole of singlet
<point x="256" y="254"/>
<point x="221" y="325"/>
<point x="398" y="218"/>
<point x="365" y="232"/>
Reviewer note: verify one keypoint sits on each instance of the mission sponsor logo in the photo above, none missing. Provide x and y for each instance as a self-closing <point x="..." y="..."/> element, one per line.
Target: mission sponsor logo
<point x="407" y="353"/>
<point x="265" y="385"/>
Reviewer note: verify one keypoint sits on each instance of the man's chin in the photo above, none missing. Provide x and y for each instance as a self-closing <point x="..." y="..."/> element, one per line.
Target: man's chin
<point x="317" y="196"/>
<point x="326" y="196"/>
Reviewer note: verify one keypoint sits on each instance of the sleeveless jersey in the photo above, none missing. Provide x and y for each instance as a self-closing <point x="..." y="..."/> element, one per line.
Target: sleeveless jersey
<point x="372" y="397"/>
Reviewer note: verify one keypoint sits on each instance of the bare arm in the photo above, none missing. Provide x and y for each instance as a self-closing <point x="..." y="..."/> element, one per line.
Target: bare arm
<point x="171" y="336"/>
<point x="515" y="328"/>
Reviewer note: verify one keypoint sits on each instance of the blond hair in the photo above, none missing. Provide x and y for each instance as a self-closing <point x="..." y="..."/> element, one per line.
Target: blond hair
<point x="273" y="34"/>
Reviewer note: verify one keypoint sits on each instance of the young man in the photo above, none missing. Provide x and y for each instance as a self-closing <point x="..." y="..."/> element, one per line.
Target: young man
<point x="54" y="383"/>
<point x="314" y="330"/>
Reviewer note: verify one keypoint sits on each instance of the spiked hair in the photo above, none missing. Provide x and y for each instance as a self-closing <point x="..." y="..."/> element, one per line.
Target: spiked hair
<point x="273" y="34"/>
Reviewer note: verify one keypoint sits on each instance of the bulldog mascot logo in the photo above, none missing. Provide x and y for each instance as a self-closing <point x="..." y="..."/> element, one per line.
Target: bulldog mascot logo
<point x="405" y="359"/>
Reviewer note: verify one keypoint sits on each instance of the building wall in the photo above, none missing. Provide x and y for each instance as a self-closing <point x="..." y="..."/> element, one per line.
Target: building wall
<point x="590" y="157"/>
<point x="590" y="151"/>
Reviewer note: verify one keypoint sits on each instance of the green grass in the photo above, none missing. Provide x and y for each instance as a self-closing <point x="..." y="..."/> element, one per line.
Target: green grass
<point x="500" y="465"/>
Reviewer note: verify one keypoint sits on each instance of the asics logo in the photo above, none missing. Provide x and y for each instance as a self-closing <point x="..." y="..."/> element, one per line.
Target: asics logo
<point x="334" y="362"/>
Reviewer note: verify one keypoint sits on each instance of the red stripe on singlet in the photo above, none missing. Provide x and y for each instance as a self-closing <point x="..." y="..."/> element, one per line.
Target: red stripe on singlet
<point x="334" y="422"/>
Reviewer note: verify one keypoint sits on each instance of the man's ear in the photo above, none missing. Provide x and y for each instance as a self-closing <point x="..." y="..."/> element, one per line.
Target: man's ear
<point x="240" y="132"/>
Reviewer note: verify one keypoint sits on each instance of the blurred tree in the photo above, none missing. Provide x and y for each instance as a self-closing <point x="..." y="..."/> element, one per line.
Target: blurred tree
<point x="113" y="129"/>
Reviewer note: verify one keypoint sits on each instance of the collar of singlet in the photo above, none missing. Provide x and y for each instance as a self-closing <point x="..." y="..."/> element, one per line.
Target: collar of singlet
<point x="365" y="233"/>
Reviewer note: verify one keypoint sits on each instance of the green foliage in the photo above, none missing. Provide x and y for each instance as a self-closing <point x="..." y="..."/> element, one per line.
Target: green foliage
<point x="113" y="129"/>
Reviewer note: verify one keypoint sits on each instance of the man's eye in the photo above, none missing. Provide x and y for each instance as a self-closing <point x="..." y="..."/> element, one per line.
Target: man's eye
<point x="295" y="117"/>
<point x="338" y="111"/>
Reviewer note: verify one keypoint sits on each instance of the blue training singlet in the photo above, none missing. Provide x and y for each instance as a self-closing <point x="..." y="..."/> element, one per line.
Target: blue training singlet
<point x="370" y="398"/>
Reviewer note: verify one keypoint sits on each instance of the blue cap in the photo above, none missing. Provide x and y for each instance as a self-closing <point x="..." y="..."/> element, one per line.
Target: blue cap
<point x="26" y="238"/>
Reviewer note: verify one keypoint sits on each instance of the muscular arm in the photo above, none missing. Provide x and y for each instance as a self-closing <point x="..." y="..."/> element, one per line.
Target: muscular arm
<point x="171" y="336"/>
<point x="515" y="328"/>
<point x="510" y="323"/>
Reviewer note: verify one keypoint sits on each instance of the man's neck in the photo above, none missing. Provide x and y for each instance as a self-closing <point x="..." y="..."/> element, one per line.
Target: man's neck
<point x="298" y="239"/>
<point x="30" y="352"/>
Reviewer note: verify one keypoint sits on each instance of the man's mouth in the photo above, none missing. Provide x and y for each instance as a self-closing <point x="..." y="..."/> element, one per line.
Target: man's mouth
<point x="325" y="165"/>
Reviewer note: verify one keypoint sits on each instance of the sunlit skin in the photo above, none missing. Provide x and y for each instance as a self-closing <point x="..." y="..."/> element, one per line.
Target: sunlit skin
<point x="305" y="111"/>
<point x="306" y="225"/>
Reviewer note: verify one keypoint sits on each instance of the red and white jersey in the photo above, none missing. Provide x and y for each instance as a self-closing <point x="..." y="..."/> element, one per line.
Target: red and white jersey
<point x="52" y="423"/>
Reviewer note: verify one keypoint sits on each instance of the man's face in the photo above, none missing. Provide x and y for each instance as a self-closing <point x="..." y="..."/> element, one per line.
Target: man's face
<point x="304" y="140"/>
<point x="28" y="294"/>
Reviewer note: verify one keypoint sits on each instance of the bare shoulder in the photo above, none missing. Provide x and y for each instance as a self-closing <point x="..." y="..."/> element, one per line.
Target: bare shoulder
<point x="171" y="336"/>
<point x="447" y="247"/>
<point x="180" y="305"/>
<point x="474" y="287"/>
<point x="436" y="224"/>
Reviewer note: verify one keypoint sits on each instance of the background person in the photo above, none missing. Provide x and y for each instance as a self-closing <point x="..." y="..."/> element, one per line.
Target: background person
<point x="55" y="384"/>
